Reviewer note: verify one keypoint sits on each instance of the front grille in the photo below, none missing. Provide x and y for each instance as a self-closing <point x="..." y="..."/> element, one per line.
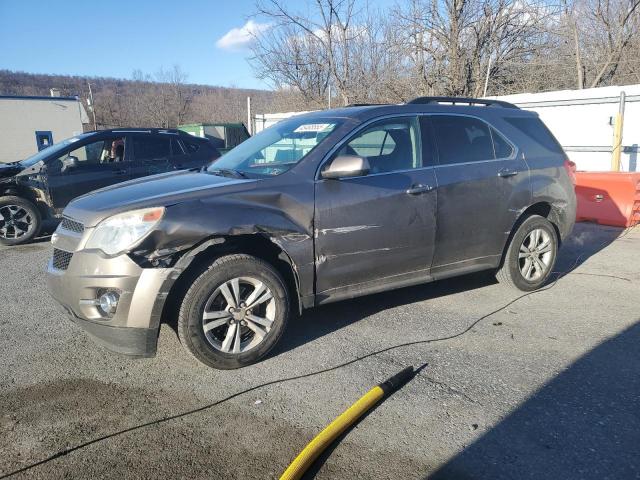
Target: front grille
<point x="72" y="225"/>
<point x="61" y="259"/>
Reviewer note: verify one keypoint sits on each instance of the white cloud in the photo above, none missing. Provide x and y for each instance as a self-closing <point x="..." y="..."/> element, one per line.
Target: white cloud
<point x="238" y="38"/>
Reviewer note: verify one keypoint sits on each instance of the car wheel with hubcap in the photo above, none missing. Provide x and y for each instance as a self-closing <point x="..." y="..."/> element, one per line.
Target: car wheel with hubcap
<point x="531" y="255"/>
<point x="234" y="313"/>
<point x="19" y="220"/>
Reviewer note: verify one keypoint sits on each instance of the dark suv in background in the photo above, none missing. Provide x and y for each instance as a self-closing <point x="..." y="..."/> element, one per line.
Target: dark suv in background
<point x="318" y="208"/>
<point x="39" y="187"/>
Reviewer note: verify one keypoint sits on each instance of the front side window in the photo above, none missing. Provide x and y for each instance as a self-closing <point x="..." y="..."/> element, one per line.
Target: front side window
<point x="388" y="145"/>
<point x="276" y="149"/>
<point x="462" y="139"/>
<point x="102" y="151"/>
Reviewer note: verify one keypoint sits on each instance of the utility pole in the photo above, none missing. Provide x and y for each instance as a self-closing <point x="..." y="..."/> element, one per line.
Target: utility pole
<point x="92" y="106"/>
<point x="329" y="96"/>
<point x="249" y="126"/>
<point x="617" y="135"/>
<point x="486" y="79"/>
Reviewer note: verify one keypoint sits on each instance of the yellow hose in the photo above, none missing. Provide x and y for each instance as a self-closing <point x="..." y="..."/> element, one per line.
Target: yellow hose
<point x="326" y="437"/>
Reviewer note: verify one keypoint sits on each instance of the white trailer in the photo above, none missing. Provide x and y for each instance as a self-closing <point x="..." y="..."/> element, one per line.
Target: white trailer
<point x="29" y="124"/>
<point x="583" y="122"/>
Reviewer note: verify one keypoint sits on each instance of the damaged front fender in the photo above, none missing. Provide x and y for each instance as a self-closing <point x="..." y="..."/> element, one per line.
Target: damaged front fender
<point x="190" y="228"/>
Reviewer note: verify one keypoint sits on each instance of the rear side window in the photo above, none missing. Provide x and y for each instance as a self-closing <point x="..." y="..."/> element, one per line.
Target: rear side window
<point x="151" y="148"/>
<point x="537" y="132"/>
<point x="462" y="139"/>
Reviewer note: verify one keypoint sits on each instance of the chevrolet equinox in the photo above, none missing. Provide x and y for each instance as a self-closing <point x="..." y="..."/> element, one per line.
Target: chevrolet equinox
<point x="321" y="207"/>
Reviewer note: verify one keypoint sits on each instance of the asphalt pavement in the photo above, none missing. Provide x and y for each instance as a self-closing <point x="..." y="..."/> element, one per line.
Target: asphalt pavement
<point x="544" y="385"/>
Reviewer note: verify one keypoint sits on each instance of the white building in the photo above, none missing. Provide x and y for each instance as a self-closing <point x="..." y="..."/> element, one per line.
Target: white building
<point x="28" y="124"/>
<point x="581" y="120"/>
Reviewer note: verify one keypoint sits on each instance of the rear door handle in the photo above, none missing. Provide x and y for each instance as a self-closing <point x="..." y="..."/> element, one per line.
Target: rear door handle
<point x="507" y="172"/>
<point x="419" y="189"/>
<point x="121" y="172"/>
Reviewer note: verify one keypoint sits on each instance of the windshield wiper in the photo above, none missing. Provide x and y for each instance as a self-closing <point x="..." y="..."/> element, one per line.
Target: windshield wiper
<point x="228" y="172"/>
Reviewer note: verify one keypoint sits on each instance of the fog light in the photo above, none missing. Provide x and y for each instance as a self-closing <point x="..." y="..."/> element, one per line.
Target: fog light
<point x="108" y="302"/>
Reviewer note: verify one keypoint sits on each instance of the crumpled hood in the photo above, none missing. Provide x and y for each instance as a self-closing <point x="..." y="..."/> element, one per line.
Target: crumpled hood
<point x="155" y="191"/>
<point x="8" y="170"/>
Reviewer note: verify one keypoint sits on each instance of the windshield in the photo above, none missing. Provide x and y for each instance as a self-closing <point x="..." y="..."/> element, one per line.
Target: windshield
<point x="53" y="149"/>
<point x="276" y="149"/>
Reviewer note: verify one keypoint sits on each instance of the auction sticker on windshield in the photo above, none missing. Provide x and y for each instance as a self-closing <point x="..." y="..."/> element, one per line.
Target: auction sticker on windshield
<point x="314" y="127"/>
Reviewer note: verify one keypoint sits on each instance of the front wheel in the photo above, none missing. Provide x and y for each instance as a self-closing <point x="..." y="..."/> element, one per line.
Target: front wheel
<point x="531" y="255"/>
<point x="20" y="220"/>
<point x="234" y="313"/>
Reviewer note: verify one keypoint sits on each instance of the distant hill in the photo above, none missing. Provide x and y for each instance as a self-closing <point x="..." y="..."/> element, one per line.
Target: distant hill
<point x="164" y="100"/>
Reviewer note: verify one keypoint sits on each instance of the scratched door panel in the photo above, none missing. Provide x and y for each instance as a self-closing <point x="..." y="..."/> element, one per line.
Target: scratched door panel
<point x="369" y="228"/>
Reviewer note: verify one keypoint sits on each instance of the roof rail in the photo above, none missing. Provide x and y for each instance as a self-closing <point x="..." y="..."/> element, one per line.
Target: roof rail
<point x="366" y="105"/>
<point x="457" y="100"/>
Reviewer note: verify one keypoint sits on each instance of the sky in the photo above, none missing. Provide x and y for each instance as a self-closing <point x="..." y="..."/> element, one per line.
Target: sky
<point x="207" y="39"/>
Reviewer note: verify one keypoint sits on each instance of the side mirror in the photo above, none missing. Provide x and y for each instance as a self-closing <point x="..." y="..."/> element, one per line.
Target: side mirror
<point x="346" y="166"/>
<point x="69" y="163"/>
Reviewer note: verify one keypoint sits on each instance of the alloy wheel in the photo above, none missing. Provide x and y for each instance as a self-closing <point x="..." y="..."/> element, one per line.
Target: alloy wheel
<point x="238" y="315"/>
<point x="535" y="255"/>
<point x="15" y="221"/>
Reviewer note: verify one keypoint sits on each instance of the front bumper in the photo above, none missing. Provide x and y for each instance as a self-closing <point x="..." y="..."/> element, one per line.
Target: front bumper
<point x="133" y="328"/>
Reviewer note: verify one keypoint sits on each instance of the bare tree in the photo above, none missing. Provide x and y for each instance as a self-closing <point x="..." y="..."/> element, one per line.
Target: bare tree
<point x="336" y="45"/>
<point x="609" y="27"/>
<point x="455" y="44"/>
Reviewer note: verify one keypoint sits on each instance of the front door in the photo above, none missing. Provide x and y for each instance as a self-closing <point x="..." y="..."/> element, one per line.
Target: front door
<point x="377" y="229"/>
<point x="482" y="183"/>
<point x="88" y="167"/>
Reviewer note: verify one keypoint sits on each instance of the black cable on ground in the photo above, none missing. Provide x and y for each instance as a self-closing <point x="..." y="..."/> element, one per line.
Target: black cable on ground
<point x="67" y="451"/>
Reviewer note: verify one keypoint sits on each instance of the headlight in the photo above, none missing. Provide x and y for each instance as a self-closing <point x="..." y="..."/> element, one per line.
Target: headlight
<point x="123" y="231"/>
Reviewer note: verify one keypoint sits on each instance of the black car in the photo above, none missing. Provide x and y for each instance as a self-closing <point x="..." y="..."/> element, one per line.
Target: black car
<point x="38" y="188"/>
<point x="318" y="208"/>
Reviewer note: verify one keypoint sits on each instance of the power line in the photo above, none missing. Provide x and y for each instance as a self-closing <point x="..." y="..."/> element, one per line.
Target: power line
<point x="469" y="327"/>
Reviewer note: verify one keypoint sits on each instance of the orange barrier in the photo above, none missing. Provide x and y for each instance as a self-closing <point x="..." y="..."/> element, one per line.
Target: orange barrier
<point x="608" y="198"/>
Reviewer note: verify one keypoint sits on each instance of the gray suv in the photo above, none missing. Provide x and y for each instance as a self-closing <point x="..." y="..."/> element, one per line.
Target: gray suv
<point x="318" y="208"/>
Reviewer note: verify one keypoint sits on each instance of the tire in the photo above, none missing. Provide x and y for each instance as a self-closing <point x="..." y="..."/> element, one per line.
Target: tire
<point x="232" y="340"/>
<point x="532" y="270"/>
<point x="21" y="220"/>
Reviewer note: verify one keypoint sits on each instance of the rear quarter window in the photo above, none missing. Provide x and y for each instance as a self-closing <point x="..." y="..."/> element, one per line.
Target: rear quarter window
<point x="537" y="133"/>
<point x="192" y="147"/>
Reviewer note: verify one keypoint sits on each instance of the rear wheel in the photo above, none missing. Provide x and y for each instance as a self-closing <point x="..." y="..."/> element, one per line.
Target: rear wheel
<point x="531" y="255"/>
<point x="234" y="313"/>
<point x="20" y="220"/>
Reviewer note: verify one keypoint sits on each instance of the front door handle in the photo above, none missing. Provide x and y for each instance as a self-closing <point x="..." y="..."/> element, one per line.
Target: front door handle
<point x="507" y="172"/>
<point x="419" y="189"/>
<point x="121" y="172"/>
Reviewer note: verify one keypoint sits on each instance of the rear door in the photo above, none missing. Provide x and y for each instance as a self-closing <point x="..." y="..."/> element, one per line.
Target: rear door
<point x="482" y="183"/>
<point x="378" y="227"/>
<point x="152" y="153"/>
<point x="200" y="152"/>
<point x="180" y="157"/>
